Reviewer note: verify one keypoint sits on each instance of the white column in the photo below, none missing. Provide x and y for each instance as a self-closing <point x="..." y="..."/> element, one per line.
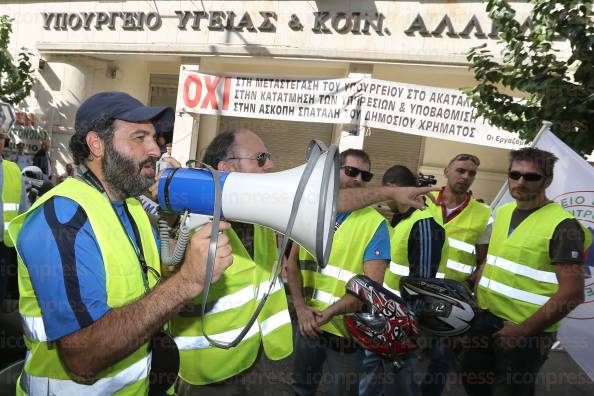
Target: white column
<point x="185" y="129"/>
<point x="352" y="136"/>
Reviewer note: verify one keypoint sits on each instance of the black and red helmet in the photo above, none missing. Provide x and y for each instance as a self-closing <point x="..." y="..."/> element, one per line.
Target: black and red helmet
<point x="444" y="307"/>
<point x="385" y="326"/>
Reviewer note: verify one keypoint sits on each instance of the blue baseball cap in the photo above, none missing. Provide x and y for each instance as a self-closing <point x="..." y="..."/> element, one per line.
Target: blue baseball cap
<point x="121" y="106"/>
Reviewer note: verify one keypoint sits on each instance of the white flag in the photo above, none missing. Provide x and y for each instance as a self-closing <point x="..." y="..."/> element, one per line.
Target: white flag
<point x="573" y="189"/>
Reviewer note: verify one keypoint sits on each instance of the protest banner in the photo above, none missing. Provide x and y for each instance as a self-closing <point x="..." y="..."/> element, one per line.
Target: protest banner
<point x="414" y="109"/>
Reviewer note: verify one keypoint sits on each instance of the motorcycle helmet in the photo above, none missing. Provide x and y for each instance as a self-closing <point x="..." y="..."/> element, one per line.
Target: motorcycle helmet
<point x="444" y="307"/>
<point x="32" y="177"/>
<point x="384" y="326"/>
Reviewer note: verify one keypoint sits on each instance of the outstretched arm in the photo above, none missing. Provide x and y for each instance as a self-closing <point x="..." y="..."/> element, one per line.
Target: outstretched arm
<point x="350" y="199"/>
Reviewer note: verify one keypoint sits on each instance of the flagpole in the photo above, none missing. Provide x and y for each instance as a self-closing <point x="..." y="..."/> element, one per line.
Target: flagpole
<point x="546" y="126"/>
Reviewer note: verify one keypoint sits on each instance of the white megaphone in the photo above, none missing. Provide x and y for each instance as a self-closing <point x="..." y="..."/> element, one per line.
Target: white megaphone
<point x="305" y="196"/>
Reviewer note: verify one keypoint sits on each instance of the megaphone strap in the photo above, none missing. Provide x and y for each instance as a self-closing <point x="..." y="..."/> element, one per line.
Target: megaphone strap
<point x="314" y="153"/>
<point x="167" y="183"/>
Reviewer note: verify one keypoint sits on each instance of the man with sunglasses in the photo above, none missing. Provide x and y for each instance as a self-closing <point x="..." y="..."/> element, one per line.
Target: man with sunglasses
<point x="207" y="370"/>
<point x="532" y="278"/>
<point x="89" y="268"/>
<point x="361" y="245"/>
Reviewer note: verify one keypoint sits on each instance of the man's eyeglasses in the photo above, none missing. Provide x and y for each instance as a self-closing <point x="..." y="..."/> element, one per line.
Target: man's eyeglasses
<point x="467" y="157"/>
<point x="260" y="157"/>
<point x="351" y="171"/>
<point x="530" y="177"/>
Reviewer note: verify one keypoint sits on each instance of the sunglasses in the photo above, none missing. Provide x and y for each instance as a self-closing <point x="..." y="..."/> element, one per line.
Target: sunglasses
<point x="467" y="157"/>
<point x="351" y="171"/>
<point x="530" y="177"/>
<point x="260" y="157"/>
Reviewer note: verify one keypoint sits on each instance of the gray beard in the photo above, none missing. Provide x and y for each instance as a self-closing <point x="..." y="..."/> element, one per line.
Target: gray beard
<point x="122" y="175"/>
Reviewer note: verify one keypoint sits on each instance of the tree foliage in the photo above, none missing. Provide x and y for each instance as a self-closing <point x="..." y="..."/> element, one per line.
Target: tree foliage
<point x="555" y="89"/>
<point x="16" y="80"/>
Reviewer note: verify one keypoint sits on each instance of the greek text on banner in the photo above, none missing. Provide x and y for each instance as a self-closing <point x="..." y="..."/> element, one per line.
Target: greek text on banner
<point x="415" y="109"/>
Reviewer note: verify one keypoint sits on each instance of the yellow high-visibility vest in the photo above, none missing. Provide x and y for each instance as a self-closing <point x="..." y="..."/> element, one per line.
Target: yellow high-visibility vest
<point x="324" y="286"/>
<point x="519" y="277"/>
<point x="463" y="232"/>
<point x="231" y="302"/>
<point x="44" y="372"/>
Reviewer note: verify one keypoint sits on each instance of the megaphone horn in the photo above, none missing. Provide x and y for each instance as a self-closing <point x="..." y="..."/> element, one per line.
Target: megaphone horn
<point x="266" y="199"/>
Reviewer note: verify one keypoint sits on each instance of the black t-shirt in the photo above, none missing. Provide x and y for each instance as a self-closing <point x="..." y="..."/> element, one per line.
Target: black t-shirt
<point x="567" y="243"/>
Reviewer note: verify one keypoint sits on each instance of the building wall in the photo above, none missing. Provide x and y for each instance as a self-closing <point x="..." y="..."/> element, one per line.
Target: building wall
<point x="83" y="61"/>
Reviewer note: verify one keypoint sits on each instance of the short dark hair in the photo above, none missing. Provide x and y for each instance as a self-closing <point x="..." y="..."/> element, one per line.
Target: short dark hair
<point x="220" y="148"/>
<point x="544" y="159"/>
<point x="104" y="127"/>
<point x="399" y="175"/>
<point x="355" y="153"/>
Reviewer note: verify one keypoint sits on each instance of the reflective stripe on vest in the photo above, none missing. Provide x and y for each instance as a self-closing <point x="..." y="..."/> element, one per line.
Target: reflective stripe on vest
<point x="397" y="292"/>
<point x="200" y="342"/>
<point x="274" y="322"/>
<point x="463" y="232"/>
<point x="456" y="266"/>
<point x="517" y="294"/>
<point x="325" y="297"/>
<point x="519" y="269"/>
<point x="34" y="386"/>
<point x="518" y="276"/>
<point x="398" y="269"/>
<point x="34" y="328"/>
<point x="11" y="206"/>
<point x="232" y="301"/>
<point x="124" y="285"/>
<point x="263" y="288"/>
<point x="337" y="273"/>
<point x="11" y="190"/>
<point x="461" y="245"/>
<point x="324" y="286"/>
<point x="399" y="244"/>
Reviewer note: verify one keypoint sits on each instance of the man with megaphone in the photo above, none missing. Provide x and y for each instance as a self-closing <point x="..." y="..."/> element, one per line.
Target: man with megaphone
<point x="205" y="369"/>
<point x="91" y="299"/>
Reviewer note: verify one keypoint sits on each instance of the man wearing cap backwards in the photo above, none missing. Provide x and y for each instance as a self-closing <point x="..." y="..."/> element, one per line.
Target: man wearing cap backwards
<point x="88" y="260"/>
<point x="466" y="222"/>
<point x="532" y="278"/>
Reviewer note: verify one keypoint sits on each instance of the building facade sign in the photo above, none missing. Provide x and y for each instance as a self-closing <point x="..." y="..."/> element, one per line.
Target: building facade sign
<point x="326" y="22"/>
<point x="415" y="109"/>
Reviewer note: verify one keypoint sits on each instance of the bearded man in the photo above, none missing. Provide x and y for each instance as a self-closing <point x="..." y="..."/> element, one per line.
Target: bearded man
<point x="89" y="268"/>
